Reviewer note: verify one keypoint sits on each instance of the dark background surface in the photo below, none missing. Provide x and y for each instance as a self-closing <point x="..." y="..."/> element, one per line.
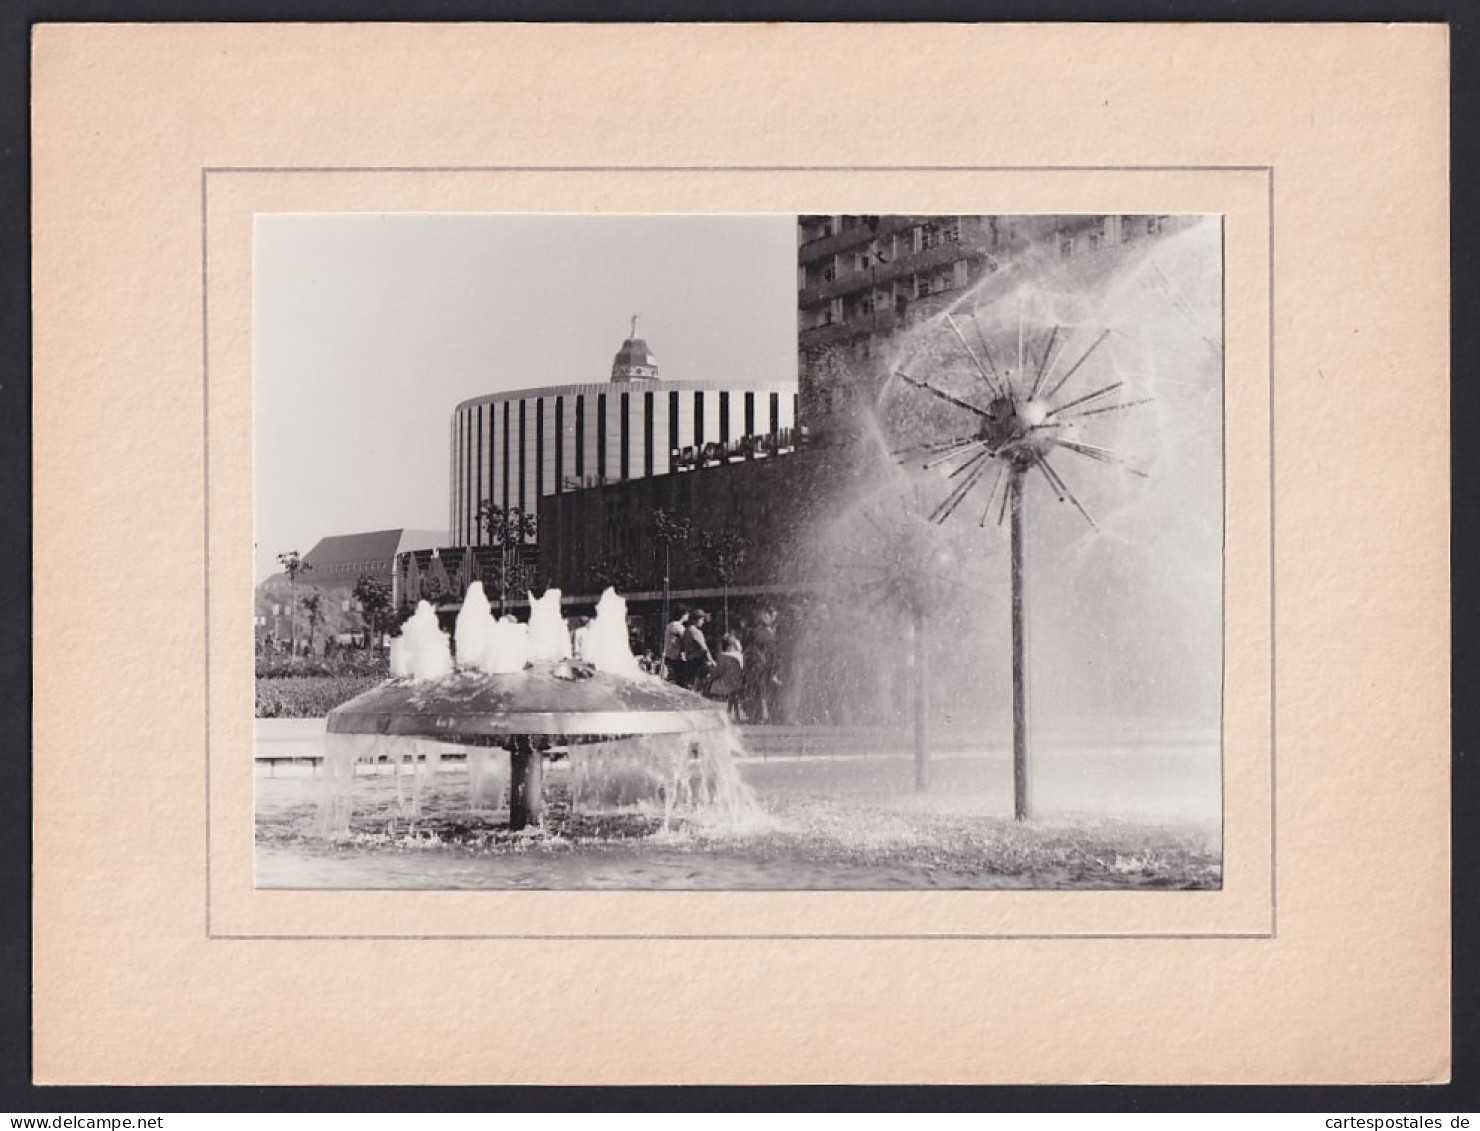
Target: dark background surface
<point x="16" y="1094"/>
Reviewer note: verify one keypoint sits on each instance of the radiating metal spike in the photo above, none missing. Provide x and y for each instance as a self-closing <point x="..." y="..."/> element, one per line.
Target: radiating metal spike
<point x="982" y="340"/>
<point x="982" y="369"/>
<point x="1042" y="362"/>
<point x="1111" y="408"/>
<point x="1103" y="455"/>
<point x="1065" y="378"/>
<point x="907" y="379"/>
<point x="972" y="462"/>
<point x="956" y="454"/>
<point x="1064" y="493"/>
<point x="992" y="494"/>
<point x="961" y="488"/>
<point x="964" y="490"/>
<point x="1087" y="397"/>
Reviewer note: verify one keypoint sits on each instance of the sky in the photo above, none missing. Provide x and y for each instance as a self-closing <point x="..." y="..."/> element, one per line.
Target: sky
<point x="370" y="329"/>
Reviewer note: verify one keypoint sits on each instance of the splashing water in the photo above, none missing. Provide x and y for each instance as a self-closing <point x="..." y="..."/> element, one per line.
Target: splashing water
<point x="422" y="651"/>
<point x="607" y="645"/>
<point x="549" y="642"/>
<point x="474" y="627"/>
<point x="343" y="753"/>
<point x="508" y="648"/>
<point x="687" y="778"/>
<point x="692" y="776"/>
<point x="488" y="777"/>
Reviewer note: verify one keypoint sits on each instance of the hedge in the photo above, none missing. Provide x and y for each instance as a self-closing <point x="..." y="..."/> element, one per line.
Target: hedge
<point x="351" y="662"/>
<point x="308" y="697"/>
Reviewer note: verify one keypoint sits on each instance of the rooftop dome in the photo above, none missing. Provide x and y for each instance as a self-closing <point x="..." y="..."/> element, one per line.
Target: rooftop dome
<point x="634" y="361"/>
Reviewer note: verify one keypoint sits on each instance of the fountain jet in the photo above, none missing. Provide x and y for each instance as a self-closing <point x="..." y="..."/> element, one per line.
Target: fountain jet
<point x="529" y="710"/>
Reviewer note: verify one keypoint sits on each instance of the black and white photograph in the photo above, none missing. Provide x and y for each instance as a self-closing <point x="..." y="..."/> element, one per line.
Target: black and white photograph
<point x="739" y="552"/>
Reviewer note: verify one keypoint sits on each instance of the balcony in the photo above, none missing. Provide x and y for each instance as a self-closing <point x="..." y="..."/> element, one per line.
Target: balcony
<point x="820" y="294"/>
<point x="809" y="298"/>
<point x="879" y="322"/>
<point x="840" y="243"/>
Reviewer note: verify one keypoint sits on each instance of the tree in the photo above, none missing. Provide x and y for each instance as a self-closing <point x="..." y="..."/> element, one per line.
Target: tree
<point x="616" y="571"/>
<point x="293" y="564"/>
<point x="313" y="605"/>
<point x="375" y="601"/>
<point x="505" y="527"/>
<point x="723" y="553"/>
<point x="434" y="591"/>
<point x="670" y="531"/>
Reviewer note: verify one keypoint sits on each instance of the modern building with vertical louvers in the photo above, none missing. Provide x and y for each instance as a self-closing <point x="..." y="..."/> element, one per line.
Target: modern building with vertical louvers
<point x="514" y="448"/>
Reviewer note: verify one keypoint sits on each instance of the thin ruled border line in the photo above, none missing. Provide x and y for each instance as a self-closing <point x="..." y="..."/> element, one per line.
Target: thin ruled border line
<point x="205" y="423"/>
<point x="1268" y="170"/>
<point x="938" y="936"/>
<point x="736" y="169"/>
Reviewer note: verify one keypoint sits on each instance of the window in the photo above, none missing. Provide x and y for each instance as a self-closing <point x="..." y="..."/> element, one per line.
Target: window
<point x="922" y="286"/>
<point x="934" y="235"/>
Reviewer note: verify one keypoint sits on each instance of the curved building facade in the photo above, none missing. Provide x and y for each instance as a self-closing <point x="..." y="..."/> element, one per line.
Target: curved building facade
<point x="514" y="448"/>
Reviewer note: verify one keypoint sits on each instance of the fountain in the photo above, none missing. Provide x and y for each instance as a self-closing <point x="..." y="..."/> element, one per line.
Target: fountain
<point x="1034" y="366"/>
<point x="514" y="687"/>
<point x="1011" y="397"/>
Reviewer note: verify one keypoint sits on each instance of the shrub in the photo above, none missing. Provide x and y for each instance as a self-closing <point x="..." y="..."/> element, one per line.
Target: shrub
<point x="350" y="662"/>
<point x="308" y="697"/>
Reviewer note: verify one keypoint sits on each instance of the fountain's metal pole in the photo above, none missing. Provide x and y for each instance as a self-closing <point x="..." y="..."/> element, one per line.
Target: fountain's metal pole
<point x="663" y="629"/>
<point x="1021" y="792"/>
<point x="922" y="706"/>
<point x="526" y="784"/>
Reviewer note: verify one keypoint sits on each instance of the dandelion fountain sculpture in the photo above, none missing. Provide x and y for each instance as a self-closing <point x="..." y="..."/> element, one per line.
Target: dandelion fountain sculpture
<point x="1018" y="417"/>
<point x="514" y="686"/>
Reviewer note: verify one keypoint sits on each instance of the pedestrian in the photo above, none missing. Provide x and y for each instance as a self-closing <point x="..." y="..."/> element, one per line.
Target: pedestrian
<point x="673" y="645"/>
<point x="696" y="660"/>
<point x="729" y="674"/>
<point x="761" y="669"/>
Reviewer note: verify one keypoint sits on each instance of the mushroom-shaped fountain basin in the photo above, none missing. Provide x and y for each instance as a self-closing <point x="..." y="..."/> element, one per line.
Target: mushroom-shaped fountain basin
<point x="568" y="701"/>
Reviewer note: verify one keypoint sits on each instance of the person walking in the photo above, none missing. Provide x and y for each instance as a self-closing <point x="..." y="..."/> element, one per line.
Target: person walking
<point x="673" y="645"/>
<point x="695" y="658"/>
<point x="761" y="679"/>
<point x="729" y="675"/>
